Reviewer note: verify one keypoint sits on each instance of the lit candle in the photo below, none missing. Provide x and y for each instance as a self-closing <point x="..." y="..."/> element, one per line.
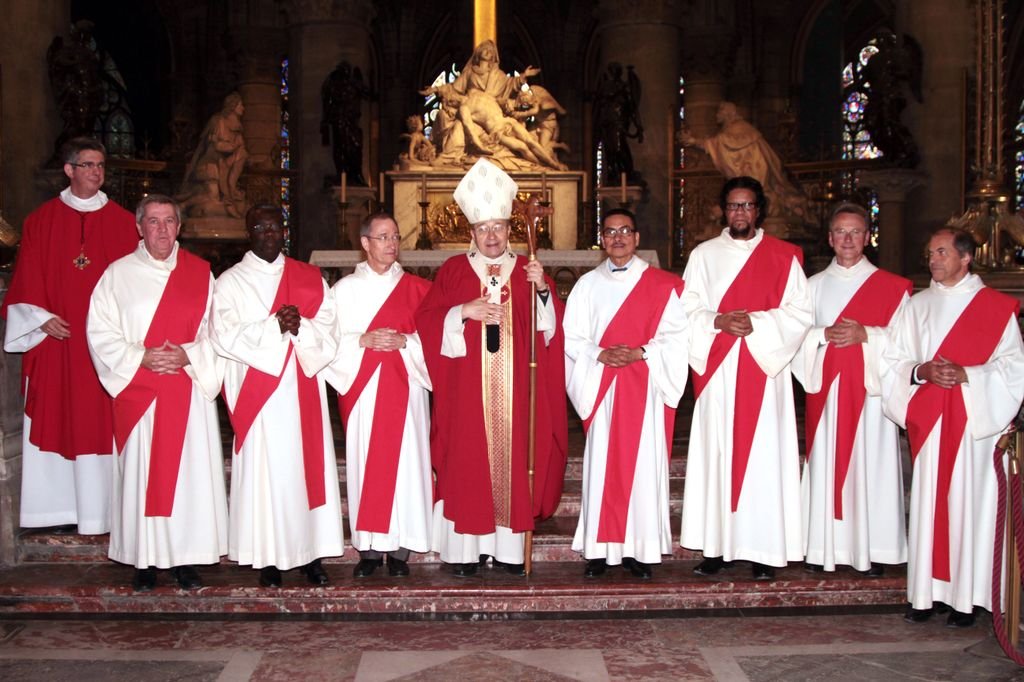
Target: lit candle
<point x="381" y="181"/>
<point x="544" y="186"/>
<point x="344" y="187"/>
<point x="423" y="188"/>
<point x="622" y="185"/>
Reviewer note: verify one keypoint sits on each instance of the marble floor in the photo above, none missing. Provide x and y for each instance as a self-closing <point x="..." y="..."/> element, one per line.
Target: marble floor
<point x="877" y="646"/>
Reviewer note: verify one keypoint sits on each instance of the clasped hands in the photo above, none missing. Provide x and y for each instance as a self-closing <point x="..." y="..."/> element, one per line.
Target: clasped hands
<point x="288" y="319"/>
<point x="167" y="358"/>
<point x="482" y="310"/>
<point x="942" y="373"/>
<point x="384" y="339"/>
<point x="735" y="322"/>
<point x="846" y="332"/>
<point x="620" y="355"/>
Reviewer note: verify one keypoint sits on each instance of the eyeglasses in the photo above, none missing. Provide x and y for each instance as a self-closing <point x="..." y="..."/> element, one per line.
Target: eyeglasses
<point x="740" y="206"/>
<point x="260" y="228"/>
<point x="89" y="165"/>
<point x="610" y="232"/>
<point x="843" y="234"/>
<point x="490" y="229"/>
<point x="387" y="238"/>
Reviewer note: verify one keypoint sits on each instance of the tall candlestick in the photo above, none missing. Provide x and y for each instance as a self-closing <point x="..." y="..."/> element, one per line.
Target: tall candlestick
<point x="544" y="186"/>
<point x="586" y="187"/>
<point x="381" y="181"/>
<point x="423" y="187"/>
<point x="622" y="185"/>
<point x="344" y="187"/>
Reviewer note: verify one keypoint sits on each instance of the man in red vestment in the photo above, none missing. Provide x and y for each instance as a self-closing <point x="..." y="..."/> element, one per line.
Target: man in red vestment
<point x="67" y="440"/>
<point x="474" y="324"/>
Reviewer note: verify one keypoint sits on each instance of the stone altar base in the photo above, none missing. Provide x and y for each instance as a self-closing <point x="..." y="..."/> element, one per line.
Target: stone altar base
<point x="219" y="227"/>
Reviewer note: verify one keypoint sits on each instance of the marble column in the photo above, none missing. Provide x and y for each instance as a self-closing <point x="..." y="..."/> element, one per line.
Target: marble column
<point x="645" y="34"/>
<point x="893" y="186"/>
<point x="322" y="33"/>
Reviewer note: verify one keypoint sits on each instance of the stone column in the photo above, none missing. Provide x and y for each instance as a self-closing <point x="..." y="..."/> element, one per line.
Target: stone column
<point x="645" y="34"/>
<point x="893" y="186"/>
<point x="706" y="65"/>
<point x="257" y="53"/>
<point x="321" y="33"/>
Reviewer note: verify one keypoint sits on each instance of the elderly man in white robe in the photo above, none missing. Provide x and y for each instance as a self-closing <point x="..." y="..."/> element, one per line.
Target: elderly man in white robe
<point x="957" y="383"/>
<point x="148" y="336"/>
<point x="625" y="349"/>
<point x="273" y="321"/>
<point x="748" y="306"/>
<point x="852" y="485"/>
<point x="383" y="388"/>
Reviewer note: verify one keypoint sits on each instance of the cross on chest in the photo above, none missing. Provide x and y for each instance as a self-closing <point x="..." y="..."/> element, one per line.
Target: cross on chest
<point x="81" y="261"/>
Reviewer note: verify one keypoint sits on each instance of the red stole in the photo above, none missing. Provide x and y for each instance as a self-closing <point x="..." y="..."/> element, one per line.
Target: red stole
<point x="758" y="286"/>
<point x="301" y="285"/>
<point x="390" y="405"/>
<point x="873" y="305"/>
<point x="177" y="319"/>
<point x="971" y="341"/>
<point x="634" y="324"/>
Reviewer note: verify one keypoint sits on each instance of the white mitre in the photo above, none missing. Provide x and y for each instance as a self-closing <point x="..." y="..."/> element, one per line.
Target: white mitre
<point x="486" y="193"/>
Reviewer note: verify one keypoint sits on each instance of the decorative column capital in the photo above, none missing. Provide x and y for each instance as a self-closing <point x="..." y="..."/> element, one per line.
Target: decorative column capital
<point x="893" y="184"/>
<point x="313" y="11"/>
<point x="625" y="12"/>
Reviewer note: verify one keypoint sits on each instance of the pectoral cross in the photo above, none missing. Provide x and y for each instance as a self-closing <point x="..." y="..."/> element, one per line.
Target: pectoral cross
<point x="81" y="261"/>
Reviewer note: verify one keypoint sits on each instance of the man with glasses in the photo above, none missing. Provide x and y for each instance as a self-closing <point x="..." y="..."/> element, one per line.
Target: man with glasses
<point x="67" y="439"/>
<point x="852" y="486"/>
<point x="273" y="321"/>
<point x="383" y="390"/>
<point x="475" y="326"/>
<point x="625" y="340"/>
<point x="749" y="309"/>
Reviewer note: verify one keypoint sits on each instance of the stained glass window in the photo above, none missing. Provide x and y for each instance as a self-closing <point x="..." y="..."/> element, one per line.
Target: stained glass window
<point x="114" y="125"/>
<point x="285" y="162"/>
<point x="1018" y="158"/>
<point x="857" y="142"/>
<point x="432" y="103"/>
<point x="680" y="236"/>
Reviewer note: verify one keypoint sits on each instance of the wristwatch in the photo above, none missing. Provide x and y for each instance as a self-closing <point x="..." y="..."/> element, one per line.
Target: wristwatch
<point x="643" y="353"/>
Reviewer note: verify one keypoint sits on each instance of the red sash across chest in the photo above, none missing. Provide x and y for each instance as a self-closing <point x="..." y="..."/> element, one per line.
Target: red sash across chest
<point x="873" y="305"/>
<point x="302" y="286"/>
<point x="971" y="341"/>
<point x="633" y="325"/>
<point x="177" y="319"/>
<point x="390" y="406"/>
<point x="758" y="286"/>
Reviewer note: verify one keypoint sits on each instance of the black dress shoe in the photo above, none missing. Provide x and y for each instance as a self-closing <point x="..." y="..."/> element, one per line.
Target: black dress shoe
<point x="814" y="568"/>
<point x="315" y="573"/>
<point x="270" y="576"/>
<point x="512" y="569"/>
<point x="187" y="577"/>
<point x="959" y="619"/>
<point x="876" y="570"/>
<point x="366" y="567"/>
<point x="464" y="570"/>
<point x="66" y="529"/>
<point x="710" y="566"/>
<point x="397" y="568"/>
<point x="917" y="615"/>
<point x="144" y="580"/>
<point x="761" y="571"/>
<point x="595" y="567"/>
<point x="637" y="568"/>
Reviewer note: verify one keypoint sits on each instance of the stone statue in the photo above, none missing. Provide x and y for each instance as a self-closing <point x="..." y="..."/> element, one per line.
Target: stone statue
<point x="540" y="104"/>
<point x="895" y="69"/>
<point x="474" y="119"/>
<point x="740" y="149"/>
<point x="210" y="187"/>
<point x="342" y="95"/>
<point x="419" y="150"/>
<point x="617" y="120"/>
<point x="77" y="83"/>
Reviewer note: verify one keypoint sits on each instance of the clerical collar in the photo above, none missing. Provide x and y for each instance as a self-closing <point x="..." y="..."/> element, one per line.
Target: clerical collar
<point x="93" y="203"/>
<point x="613" y="268"/>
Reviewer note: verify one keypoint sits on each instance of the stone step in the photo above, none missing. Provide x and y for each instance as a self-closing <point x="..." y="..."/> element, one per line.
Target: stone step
<point x="432" y="592"/>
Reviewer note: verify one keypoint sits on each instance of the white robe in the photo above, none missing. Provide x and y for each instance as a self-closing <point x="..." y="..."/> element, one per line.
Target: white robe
<point x="765" y="528"/>
<point x="122" y="307"/>
<point x="56" y="491"/>
<point x="271" y="523"/>
<point x="358" y="298"/>
<point x="873" y="527"/>
<point x="992" y="396"/>
<point x="594" y="302"/>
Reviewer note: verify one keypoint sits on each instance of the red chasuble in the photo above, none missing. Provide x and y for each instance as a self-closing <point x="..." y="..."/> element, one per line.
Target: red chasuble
<point x="633" y="325"/>
<point x="458" y="439"/>
<point x="971" y="341"/>
<point x="758" y="286"/>
<point x="390" y="405"/>
<point x="301" y="285"/>
<point x="873" y="305"/>
<point x="177" y="319"/>
<point x="70" y="411"/>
